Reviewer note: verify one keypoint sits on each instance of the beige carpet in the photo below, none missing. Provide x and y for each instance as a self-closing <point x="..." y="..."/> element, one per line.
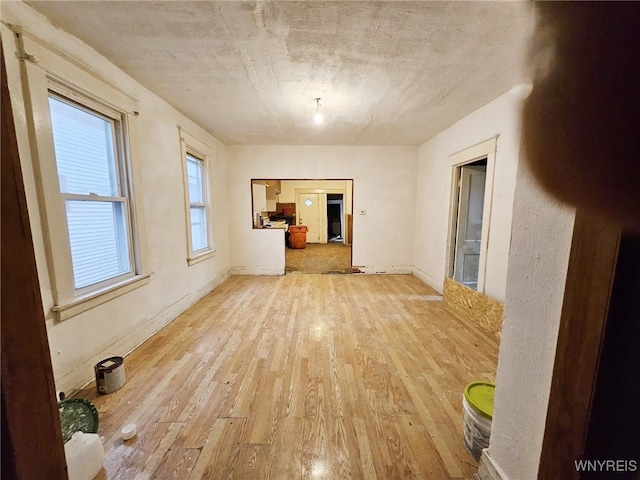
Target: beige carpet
<point x="319" y="258"/>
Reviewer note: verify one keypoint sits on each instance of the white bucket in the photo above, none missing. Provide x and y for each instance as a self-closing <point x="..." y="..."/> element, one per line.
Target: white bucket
<point x="477" y="412"/>
<point x="476" y="430"/>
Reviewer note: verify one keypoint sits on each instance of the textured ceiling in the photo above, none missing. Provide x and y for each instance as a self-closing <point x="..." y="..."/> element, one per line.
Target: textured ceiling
<point x="388" y="73"/>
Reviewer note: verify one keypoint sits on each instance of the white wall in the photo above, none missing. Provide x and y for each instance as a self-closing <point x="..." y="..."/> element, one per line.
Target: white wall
<point x="434" y="177"/>
<point x="541" y="240"/>
<point x="116" y="327"/>
<point x="384" y="186"/>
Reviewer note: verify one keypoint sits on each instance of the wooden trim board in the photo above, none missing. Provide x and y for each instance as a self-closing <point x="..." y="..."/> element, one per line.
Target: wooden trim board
<point x="590" y="274"/>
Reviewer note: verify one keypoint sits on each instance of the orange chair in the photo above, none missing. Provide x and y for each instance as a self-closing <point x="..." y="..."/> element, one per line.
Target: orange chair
<point x="298" y="236"/>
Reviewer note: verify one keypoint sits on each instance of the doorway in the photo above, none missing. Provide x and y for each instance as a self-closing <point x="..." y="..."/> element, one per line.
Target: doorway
<point x="325" y="207"/>
<point x="467" y="223"/>
<point x="335" y="216"/>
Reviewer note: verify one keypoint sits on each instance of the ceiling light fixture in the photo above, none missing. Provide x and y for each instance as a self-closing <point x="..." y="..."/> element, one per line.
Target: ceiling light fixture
<point x="318" y="117"/>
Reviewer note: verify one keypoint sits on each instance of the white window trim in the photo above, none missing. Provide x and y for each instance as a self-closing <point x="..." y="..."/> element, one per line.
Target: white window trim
<point x="97" y="297"/>
<point x="191" y="145"/>
<point x="53" y="72"/>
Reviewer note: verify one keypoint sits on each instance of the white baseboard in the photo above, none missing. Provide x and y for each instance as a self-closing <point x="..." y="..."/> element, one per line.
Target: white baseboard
<point x="83" y="374"/>
<point x="256" y="271"/>
<point x="487" y="469"/>
<point x="438" y="285"/>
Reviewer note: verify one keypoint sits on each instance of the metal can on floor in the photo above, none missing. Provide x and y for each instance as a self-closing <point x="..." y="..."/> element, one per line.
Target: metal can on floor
<point x="110" y="375"/>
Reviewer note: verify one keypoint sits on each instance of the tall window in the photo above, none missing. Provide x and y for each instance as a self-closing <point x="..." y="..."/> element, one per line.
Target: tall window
<point x="196" y="156"/>
<point x="90" y="165"/>
<point x="93" y="230"/>
<point x="197" y="204"/>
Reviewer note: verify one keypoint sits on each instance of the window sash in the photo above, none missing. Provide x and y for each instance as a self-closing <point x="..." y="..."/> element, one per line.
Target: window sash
<point x="100" y="238"/>
<point x="198" y="207"/>
<point x="113" y="153"/>
<point x="194" y="179"/>
<point x="110" y="233"/>
<point x="199" y="236"/>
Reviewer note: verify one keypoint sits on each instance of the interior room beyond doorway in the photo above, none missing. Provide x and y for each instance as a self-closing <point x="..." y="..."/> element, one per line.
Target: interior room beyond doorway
<point x="324" y="207"/>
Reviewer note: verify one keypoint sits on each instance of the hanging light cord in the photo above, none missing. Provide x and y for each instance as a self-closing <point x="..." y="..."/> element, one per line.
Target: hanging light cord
<point x="318" y="117"/>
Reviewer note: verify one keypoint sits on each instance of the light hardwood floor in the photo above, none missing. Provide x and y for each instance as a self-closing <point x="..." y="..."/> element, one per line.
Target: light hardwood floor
<point x="300" y="377"/>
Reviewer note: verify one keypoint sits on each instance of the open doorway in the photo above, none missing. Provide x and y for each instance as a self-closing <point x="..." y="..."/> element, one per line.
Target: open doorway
<point x="335" y="216"/>
<point x="472" y="179"/>
<point x="325" y="207"/>
<point x="467" y="257"/>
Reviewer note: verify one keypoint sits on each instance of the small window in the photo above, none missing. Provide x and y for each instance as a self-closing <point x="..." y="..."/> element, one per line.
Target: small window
<point x="196" y="156"/>
<point x="90" y="166"/>
<point x="197" y="204"/>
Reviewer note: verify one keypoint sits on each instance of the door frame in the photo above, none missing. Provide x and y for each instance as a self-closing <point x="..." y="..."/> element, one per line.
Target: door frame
<point x="582" y="337"/>
<point x="28" y="386"/>
<point x="485" y="149"/>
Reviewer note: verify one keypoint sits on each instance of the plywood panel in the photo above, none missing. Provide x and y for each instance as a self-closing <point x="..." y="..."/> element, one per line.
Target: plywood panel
<point x="485" y="311"/>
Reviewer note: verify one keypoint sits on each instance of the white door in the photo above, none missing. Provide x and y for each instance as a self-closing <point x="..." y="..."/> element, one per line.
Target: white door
<point x="308" y="213"/>
<point x="469" y="227"/>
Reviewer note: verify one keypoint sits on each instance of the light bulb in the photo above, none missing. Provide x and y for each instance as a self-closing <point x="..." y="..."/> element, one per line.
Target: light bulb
<point x="318" y="118"/>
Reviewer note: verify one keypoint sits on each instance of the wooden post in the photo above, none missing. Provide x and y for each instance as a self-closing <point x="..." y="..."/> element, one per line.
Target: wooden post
<point x="590" y="274"/>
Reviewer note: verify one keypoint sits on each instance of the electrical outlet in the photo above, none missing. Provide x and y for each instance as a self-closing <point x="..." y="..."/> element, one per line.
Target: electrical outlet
<point x="363" y="212"/>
